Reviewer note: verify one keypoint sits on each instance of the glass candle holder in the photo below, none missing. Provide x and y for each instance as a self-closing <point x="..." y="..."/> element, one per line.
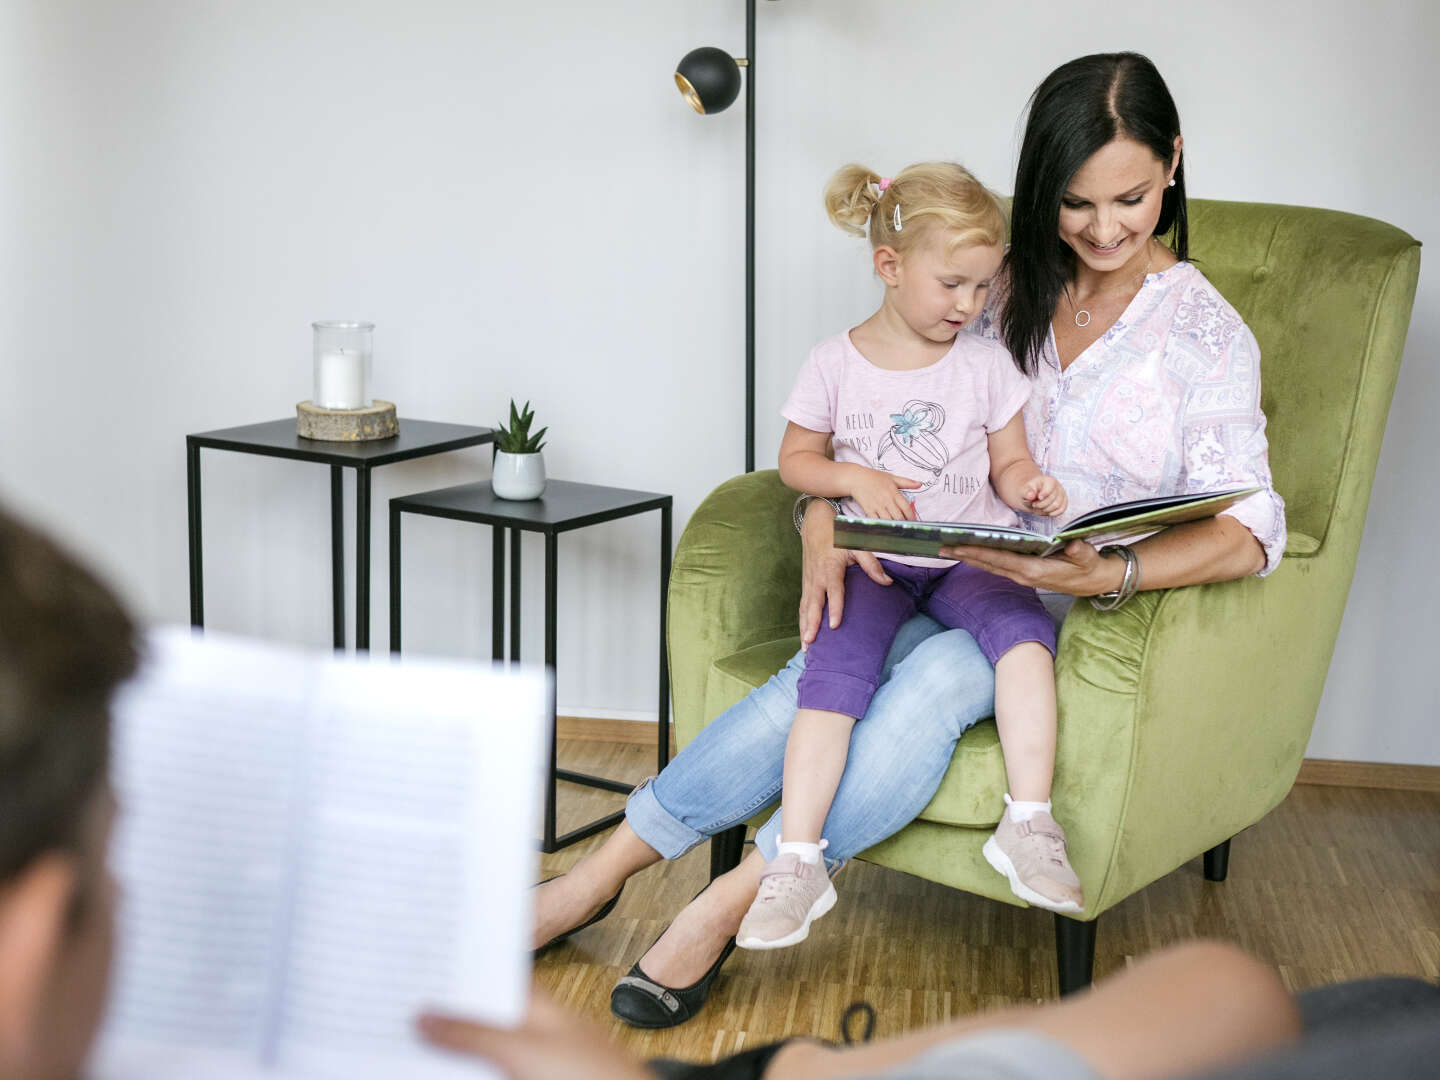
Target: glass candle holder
<point x="343" y="353"/>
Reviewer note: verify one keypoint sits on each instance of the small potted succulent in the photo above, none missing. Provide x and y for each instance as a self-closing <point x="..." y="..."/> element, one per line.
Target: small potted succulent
<point x="519" y="470"/>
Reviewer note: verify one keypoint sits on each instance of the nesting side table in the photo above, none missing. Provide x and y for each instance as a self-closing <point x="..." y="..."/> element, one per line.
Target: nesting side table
<point x="277" y="438"/>
<point x="564" y="507"/>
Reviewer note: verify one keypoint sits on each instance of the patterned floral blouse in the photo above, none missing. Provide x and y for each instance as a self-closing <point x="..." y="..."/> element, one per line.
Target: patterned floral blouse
<point x="1166" y="401"/>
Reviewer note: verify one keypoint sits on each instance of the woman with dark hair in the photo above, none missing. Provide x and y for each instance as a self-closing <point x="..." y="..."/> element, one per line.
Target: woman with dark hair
<point x="1145" y="382"/>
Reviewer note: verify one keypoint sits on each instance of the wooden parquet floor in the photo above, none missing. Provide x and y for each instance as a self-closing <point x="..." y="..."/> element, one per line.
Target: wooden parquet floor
<point x="1335" y="883"/>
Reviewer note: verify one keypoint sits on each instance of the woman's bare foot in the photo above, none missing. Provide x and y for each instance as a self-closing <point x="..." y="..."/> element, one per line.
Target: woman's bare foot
<point x="695" y="939"/>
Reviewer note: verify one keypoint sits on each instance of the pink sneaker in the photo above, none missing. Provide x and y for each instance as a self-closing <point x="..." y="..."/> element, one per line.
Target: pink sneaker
<point x="1032" y="855"/>
<point x="793" y="894"/>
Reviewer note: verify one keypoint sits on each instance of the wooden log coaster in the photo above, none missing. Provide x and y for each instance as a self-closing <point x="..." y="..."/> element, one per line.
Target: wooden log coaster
<point x="346" y="425"/>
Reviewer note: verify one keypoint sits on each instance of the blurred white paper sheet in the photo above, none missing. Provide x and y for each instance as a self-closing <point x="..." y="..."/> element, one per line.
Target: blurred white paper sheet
<point x="311" y="849"/>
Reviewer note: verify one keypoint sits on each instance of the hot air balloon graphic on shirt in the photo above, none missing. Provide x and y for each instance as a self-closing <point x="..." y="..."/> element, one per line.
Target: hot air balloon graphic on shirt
<point x="910" y="446"/>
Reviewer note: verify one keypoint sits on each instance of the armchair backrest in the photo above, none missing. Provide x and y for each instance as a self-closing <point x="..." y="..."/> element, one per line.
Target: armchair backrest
<point x="1328" y="296"/>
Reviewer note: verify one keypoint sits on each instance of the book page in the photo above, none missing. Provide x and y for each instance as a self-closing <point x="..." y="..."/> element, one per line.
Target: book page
<point x="205" y="754"/>
<point x="313" y="849"/>
<point x="415" y="876"/>
<point x="1154" y="513"/>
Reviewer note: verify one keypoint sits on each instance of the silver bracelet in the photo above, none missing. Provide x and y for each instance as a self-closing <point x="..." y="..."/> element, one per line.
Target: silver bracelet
<point x="798" y="513"/>
<point x="1129" y="584"/>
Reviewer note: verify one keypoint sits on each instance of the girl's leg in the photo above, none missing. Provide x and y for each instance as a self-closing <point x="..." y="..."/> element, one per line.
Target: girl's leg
<point x="1025" y="717"/>
<point x="934" y="691"/>
<point x="842" y="672"/>
<point x="814" y="762"/>
<point x="1029" y="845"/>
<point x="795" y="890"/>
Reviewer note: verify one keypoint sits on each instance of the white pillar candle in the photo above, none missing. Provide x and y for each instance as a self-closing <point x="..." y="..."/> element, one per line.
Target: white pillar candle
<point x="340" y="380"/>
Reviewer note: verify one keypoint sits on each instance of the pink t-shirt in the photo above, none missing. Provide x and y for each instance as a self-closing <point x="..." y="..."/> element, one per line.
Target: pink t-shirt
<point x="931" y="424"/>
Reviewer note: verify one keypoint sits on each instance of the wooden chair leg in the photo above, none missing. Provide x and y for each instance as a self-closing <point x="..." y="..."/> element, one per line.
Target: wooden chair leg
<point x="1074" y="953"/>
<point x="725" y="849"/>
<point x="1217" y="861"/>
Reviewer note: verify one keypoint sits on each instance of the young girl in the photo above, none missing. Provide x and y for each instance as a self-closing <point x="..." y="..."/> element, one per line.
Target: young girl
<point x="925" y="423"/>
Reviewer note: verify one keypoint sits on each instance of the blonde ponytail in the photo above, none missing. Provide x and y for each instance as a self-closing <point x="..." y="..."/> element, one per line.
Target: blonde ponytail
<point x="851" y="197"/>
<point x="899" y="213"/>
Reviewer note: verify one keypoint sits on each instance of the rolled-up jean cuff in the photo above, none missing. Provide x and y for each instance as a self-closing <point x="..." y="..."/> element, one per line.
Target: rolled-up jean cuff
<point x="655" y="825"/>
<point x="835" y="691"/>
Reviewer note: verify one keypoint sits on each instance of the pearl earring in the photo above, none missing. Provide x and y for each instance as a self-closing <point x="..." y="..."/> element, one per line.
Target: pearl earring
<point x="1172" y="182"/>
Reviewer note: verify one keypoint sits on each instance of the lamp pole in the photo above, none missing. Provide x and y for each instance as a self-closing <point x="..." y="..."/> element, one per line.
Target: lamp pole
<point x="750" y="237"/>
<point x="709" y="78"/>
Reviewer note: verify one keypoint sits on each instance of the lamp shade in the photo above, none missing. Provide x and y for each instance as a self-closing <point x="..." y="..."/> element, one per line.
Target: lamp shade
<point x="709" y="78"/>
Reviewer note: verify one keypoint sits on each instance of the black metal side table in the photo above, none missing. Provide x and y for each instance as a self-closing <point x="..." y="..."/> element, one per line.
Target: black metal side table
<point x="564" y="507"/>
<point x="277" y="438"/>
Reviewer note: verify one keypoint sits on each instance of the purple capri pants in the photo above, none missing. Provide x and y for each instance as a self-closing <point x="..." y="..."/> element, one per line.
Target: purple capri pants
<point x="842" y="666"/>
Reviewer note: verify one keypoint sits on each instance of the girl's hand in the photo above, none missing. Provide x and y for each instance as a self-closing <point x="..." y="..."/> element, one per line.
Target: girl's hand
<point x="1045" y="495"/>
<point x="880" y="494"/>
<point x="822" y="577"/>
<point x="1079" y="570"/>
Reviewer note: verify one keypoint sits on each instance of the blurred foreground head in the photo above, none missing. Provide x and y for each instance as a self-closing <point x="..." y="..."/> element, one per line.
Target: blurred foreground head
<point x="66" y="643"/>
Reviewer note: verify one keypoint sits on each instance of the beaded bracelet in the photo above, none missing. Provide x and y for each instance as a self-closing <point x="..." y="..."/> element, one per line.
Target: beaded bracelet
<point x="1129" y="584"/>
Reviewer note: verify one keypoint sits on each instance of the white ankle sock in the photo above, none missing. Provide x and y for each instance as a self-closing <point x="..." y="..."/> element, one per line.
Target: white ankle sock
<point x="810" y="853"/>
<point x="1024" y="811"/>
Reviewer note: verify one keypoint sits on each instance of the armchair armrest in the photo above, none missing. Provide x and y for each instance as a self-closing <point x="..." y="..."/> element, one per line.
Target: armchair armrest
<point x="1184" y="716"/>
<point x="735" y="582"/>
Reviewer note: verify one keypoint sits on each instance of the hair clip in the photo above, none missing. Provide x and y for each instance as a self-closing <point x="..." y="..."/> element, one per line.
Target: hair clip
<point x="898" y="226"/>
<point x="885" y="182"/>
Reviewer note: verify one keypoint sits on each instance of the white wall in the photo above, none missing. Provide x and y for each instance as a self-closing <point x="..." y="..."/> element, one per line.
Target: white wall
<point x="516" y="195"/>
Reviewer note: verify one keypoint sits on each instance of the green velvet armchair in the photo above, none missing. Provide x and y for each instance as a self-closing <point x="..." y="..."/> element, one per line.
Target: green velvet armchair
<point x="1184" y="715"/>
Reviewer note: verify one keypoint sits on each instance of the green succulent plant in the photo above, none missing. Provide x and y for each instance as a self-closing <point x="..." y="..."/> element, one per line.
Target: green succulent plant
<point x="516" y="439"/>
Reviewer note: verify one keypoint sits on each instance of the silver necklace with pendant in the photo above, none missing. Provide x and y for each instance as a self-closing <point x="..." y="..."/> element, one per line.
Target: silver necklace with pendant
<point x="1086" y="313"/>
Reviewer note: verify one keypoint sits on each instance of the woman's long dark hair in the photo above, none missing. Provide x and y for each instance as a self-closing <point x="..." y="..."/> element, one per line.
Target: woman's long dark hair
<point x="1079" y="108"/>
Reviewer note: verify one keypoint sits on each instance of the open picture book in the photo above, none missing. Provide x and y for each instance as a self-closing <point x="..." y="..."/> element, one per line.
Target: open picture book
<point x="1108" y="524"/>
<point x="313" y="849"/>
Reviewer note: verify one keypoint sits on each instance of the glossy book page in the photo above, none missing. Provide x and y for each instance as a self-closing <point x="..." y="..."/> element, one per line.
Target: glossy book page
<point x="1107" y="524"/>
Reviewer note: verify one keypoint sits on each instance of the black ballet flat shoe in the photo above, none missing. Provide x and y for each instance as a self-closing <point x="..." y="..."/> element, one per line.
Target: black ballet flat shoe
<point x="644" y="1003"/>
<point x="605" y="909"/>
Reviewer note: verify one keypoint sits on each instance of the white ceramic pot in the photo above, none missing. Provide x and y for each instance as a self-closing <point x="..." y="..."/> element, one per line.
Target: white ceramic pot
<point x="518" y="476"/>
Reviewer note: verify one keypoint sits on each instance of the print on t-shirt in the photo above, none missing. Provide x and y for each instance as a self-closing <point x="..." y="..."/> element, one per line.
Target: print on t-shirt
<point x="911" y="445"/>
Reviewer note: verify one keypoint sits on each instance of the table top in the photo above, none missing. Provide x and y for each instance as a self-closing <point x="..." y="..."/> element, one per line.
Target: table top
<point x="277" y="438"/>
<point x="565" y="505"/>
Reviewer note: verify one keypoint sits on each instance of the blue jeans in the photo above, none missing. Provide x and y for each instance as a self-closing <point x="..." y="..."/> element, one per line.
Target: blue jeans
<point x="935" y="684"/>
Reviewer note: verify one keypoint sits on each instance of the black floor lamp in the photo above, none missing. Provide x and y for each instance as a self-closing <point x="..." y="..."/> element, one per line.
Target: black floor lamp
<point x="710" y="80"/>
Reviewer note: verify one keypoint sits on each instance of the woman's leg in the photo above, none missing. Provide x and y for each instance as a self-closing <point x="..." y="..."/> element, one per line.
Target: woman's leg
<point x="564" y="902"/>
<point x="696" y="937"/>
<point x="900" y="751"/>
<point x="724" y="775"/>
